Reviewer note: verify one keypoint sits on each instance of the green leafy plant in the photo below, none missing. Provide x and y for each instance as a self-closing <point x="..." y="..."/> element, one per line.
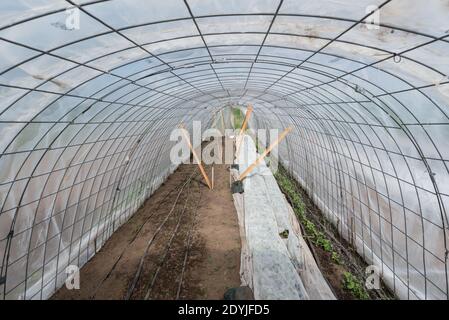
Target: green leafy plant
<point x="355" y="286"/>
<point x="336" y="257"/>
<point x="323" y="242"/>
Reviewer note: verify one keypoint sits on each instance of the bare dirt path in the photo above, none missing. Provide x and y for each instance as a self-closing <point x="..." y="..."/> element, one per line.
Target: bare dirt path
<point x="194" y="255"/>
<point x="215" y="260"/>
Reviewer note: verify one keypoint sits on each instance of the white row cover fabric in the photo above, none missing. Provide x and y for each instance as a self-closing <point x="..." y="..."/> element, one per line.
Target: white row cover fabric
<point x="273" y="274"/>
<point x="90" y="91"/>
<point x="275" y="268"/>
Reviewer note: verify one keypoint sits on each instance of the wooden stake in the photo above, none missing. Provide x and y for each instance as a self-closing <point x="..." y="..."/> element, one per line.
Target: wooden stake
<point x="203" y="172"/>
<point x="264" y="154"/>
<point x="242" y="129"/>
<point x="222" y="122"/>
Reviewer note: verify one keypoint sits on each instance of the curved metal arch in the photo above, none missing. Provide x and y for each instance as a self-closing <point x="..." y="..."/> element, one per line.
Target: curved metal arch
<point x="87" y="81"/>
<point x="207" y="49"/>
<point x="36" y="167"/>
<point x="12" y="226"/>
<point x="413" y="178"/>
<point x="359" y="199"/>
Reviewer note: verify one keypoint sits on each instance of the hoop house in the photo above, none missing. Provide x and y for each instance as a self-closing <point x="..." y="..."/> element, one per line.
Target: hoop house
<point x="90" y="91"/>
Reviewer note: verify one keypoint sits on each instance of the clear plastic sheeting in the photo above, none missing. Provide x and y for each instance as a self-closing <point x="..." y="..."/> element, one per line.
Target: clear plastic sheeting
<point x="90" y="91"/>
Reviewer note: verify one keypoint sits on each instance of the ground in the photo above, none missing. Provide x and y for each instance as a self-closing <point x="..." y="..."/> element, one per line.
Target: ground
<point x="188" y="238"/>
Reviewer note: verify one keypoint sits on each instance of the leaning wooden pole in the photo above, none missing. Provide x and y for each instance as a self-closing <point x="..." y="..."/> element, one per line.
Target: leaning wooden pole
<point x="203" y="172"/>
<point x="242" y="129"/>
<point x="222" y="122"/>
<point x="264" y="154"/>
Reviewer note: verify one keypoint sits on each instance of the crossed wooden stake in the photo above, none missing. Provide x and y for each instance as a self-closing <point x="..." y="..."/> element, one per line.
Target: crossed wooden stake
<point x="264" y="154"/>
<point x="238" y="144"/>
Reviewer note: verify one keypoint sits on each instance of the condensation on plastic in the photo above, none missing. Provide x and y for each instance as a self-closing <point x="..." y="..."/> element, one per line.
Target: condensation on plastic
<point x="86" y="114"/>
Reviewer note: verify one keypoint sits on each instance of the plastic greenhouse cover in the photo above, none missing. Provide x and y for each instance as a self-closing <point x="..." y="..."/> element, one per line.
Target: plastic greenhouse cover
<point x="86" y="112"/>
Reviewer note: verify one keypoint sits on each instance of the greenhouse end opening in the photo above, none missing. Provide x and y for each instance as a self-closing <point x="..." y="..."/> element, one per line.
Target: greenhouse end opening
<point x="224" y="150"/>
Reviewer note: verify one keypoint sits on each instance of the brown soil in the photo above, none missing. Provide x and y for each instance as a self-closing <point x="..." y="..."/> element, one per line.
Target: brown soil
<point x="194" y="255"/>
<point x="216" y="248"/>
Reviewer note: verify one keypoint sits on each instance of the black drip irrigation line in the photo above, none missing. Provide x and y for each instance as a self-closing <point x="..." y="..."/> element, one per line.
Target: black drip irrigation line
<point x="136" y="234"/>
<point x="188" y="247"/>
<point x="150" y="285"/>
<point x="150" y="242"/>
